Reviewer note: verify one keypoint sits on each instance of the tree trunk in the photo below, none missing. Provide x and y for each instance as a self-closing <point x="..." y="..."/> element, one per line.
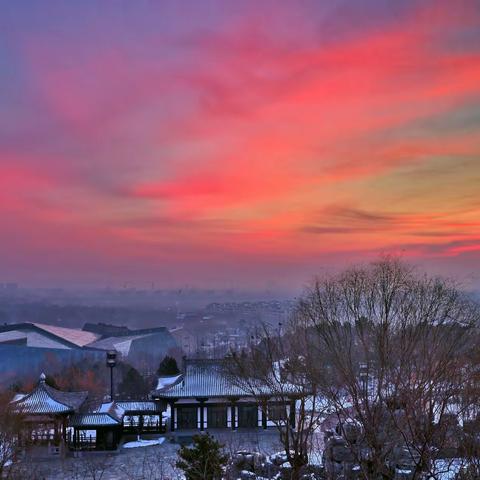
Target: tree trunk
<point x="297" y="464"/>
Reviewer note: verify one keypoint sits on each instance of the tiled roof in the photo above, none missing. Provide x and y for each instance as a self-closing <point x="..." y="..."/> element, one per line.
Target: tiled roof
<point x="110" y="413"/>
<point x="139" y="406"/>
<point x="203" y="378"/>
<point x="95" y="419"/>
<point x="47" y="400"/>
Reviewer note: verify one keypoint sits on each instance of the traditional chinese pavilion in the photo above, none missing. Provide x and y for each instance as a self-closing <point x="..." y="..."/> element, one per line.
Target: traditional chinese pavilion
<point x="45" y="413"/>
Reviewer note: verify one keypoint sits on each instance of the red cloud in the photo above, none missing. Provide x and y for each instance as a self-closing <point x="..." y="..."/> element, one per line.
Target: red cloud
<point x="231" y="142"/>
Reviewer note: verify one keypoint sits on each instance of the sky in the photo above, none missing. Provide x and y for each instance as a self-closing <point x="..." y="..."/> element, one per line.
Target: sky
<point x="248" y="144"/>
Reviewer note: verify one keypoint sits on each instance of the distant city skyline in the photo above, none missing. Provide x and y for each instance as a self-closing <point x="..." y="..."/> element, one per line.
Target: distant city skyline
<point x="247" y="145"/>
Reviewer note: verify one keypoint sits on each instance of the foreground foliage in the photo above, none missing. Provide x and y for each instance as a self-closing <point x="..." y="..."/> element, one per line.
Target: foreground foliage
<point x="204" y="460"/>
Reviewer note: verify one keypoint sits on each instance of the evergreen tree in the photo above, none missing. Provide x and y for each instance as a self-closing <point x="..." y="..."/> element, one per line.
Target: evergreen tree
<point x="16" y="387"/>
<point x="168" y="366"/>
<point x="133" y="385"/>
<point x="204" y="460"/>
<point x="50" y="381"/>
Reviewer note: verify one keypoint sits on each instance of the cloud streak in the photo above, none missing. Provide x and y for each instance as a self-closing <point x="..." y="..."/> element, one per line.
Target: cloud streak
<point x="147" y="134"/>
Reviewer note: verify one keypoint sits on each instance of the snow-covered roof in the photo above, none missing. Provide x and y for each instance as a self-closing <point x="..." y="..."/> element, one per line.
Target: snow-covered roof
<point x="18" y="396"/>
<point x="107" y="414"/>
<point x="94" y="419"/>
<point x="165" y="382"/>
<point x="208" y="378"/>
<point x="112" y="409"/>
<point x="48" y="400"/>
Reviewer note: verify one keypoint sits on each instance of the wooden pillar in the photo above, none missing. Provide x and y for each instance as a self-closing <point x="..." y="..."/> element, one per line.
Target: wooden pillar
<point x="55" y="430"/>
<point x="202" y="416"/>
<point x="233" y="414"/>
<point x="201" y="420"/>
<point x="172" y="416"/>
<point x="264" y="415"/>
<point x="64" y="430"/>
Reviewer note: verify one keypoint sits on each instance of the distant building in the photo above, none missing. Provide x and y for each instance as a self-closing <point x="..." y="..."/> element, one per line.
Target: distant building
<point x="106" y="330"/>
<point x="27" y="348"/>
<point x="45" y="336"/>
<point x="144" y="349"/>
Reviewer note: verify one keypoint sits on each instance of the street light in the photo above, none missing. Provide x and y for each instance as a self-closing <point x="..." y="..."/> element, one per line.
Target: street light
<point x="111" y="362"/>
<point x="364" y="377"/>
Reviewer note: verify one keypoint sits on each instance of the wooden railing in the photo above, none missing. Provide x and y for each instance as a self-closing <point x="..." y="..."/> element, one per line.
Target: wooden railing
<point x="150" y="427"/>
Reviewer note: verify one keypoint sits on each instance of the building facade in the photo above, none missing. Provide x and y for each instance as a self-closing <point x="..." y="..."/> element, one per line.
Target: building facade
<point x="204" y="398"/>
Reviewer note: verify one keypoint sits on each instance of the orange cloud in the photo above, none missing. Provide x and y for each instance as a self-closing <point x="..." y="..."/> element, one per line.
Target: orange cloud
<point x="244" y="141"/>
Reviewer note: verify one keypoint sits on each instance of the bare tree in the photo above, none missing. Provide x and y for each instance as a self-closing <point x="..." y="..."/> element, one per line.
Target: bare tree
<point x="398" y="347"/>
<point x="10" y="436"/>
<point x="281" y="373"/>
<point x="149" y="465"/>
<point x="469" y="439"/>
<point x="90" y="466"/>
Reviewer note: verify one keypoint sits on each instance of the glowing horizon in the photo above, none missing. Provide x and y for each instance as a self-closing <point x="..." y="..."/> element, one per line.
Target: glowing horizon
<point x="232" y="143"/>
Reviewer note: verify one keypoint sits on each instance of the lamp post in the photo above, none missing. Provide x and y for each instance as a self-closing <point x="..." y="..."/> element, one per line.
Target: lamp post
<point x="364" y="377"/>
<point x="111" y="362"/>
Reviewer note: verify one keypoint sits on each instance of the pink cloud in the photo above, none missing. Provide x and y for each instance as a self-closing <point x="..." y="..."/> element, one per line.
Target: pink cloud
<point x="231" y="142"/>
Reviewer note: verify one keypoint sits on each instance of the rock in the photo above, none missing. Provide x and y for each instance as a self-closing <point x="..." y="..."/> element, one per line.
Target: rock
<point x="279" y="458"/>
<point x="259" y="460"/>
<point x="246" y="475"/>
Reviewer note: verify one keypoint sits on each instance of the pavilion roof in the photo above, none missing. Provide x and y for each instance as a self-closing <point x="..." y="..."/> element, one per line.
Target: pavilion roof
<point x="48" y="400"/>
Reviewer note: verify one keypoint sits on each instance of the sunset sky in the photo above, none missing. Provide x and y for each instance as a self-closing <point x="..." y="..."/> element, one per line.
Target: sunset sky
<point x="235" y="143"/>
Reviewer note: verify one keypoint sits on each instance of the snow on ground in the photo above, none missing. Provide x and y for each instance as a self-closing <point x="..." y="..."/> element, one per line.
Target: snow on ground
<point x="447" y="469"/>
<point x="315" y="458"/>
<point x="144" y="443"/>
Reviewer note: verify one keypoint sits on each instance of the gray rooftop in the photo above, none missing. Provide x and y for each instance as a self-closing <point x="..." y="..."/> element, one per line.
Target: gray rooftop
<point x="95" y="419"/>
<point x="110" y="413"/>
